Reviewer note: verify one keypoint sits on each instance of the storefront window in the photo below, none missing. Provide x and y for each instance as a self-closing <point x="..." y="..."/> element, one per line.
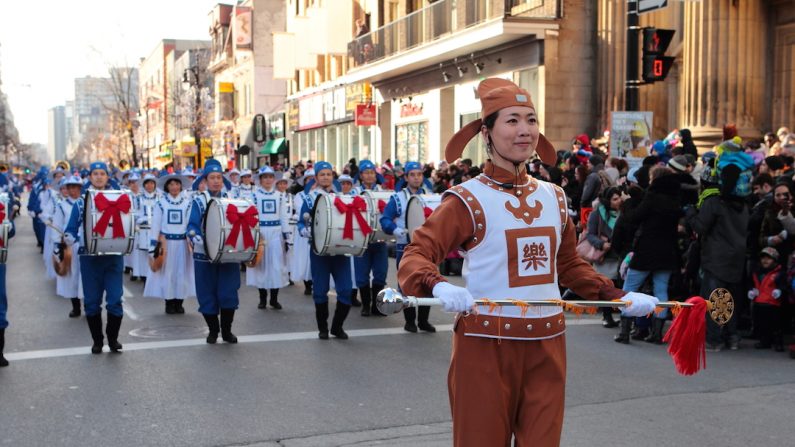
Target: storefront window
<point x="411" y="142"/>
<point x="475" y="150"/>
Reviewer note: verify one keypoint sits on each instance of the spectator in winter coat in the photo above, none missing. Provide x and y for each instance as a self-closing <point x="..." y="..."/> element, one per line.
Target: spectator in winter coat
<point x="600" y="234"/>
<point x="769" y="283"/>
<point x="688" y="146"/>
<point x="721" y="224"/>
<point x="655" y="248"/>
<point x="772" y="232"/>
<point x="689" y="185"/>
<point x="592" y="186"/>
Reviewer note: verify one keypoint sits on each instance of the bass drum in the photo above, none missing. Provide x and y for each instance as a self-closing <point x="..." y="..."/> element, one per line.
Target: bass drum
<point x="328" y="224"/>
<point x="418" y="209"/>
<point x="217" y="229"/>
<point x="106" y="243"/>
<point x="378" y="201"/>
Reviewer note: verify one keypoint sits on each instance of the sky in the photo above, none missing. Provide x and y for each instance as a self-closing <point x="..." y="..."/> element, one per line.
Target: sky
<point x="46" y="44"/>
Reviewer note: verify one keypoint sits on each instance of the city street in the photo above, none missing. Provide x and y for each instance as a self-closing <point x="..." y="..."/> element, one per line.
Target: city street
<point x="281" y="386"/>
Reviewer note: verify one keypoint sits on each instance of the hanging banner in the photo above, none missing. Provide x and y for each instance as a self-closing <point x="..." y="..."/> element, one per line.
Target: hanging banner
<point x="365" y="115"/>
<point x="243" y="28"/>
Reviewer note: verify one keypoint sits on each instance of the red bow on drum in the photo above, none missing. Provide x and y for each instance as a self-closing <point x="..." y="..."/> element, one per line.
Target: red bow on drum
<point x="355" y="208"/>
<point x="241" y="221"/>
<point x="111" y="214"/>
<point x="427" y="211"/>
<point x="381" y="206"/>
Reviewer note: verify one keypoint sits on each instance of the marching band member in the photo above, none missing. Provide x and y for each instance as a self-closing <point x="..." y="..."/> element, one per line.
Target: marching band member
<point x="508" y="368"/>
<point x="324" y="267"/>
<point x="234" y="179"/>
<point x="49" y="204"/>
<point x="393" y="221"/>
<point x="34" y="206"/>
<point x="346" y="186"/>
<point x="174" y="282"/>
<point x="375" y="258"/>
<point x="216" y="284"/>
<point x="283" y="186"/>
<point x="68" y="286"/>
<point x="3" y="297"/>
<point x="271" y="272"/>
<point x="130" y="179"/>
<point x="301" y="269"/>
<point x="246" y="188"/>
<point x="100" y="275"/>
<point x="145" y="209"/>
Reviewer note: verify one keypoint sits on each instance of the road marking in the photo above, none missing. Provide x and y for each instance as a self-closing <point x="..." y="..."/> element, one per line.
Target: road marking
<point x="261" y="338"/>
<point x="127" y="305"/>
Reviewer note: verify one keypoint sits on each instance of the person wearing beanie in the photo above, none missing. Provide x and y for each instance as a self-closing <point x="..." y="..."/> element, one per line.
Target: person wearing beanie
<point x="722" y="224"/>
<point x="519" y="243"/>
<point x="771" y="165"/>
<point x="374" y="261"/>
<point x="68" y="285"/>
<point x="101" y="275"/>
<point x="217" y="284"/>
<point x="689" y="185"/>
<point x="593" y="186"/>
<point x="769" y="290"/>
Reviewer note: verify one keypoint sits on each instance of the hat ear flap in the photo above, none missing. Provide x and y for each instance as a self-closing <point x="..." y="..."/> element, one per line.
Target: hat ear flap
<point x="546" y="151"/>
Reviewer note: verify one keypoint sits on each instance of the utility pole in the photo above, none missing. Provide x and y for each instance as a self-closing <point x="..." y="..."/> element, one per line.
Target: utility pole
<point x="632" y="83"/>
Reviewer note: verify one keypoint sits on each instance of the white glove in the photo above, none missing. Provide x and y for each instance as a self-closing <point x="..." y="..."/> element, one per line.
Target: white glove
<point x="141" y="220"/>
<point x="752" y="294"/>
<point x="197" y="240"/>
<point x="69" y="239"/>
<point x="453" y="298"/>
<point x="776" y="293"/>
<point x="642" y="304"/>
<point x="400" y="232"/>
<point x="305" y="232"/>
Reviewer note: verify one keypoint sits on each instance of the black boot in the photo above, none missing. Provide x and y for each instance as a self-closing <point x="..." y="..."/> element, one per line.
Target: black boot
<point x="112" y="331"/>
<point x="213" y="326"/>
<point x="178" y="307"/>
<point x="75" y="308"/>
<point x="365" y="294"/>
<point x="321" y="315"/>
<point x="227" y="317"/>
<point x="410" y="315"/>
<point x="263" y="299"/>
<point x="640" y="333"/>
<point x="340" y="314"/>
<point x="355" y="301"/>
<point x="626" y="326"/>
<point x="656" y="336"/>
<point x="607" y="318"/>
<point x="423" y="312"/>
<point x="308" y="288"/>
<point x="373" y="295"/>
<point x="170" y="307"/>
<point x="3" y="361"/>
<point x="95" y="326"/>
<point x="275" y="299"/>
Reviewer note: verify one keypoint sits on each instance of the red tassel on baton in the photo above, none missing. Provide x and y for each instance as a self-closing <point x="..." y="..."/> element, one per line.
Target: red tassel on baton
<point x="687" y="337"/>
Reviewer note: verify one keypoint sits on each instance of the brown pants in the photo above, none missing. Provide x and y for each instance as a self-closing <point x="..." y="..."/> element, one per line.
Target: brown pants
<point x="500" y="388"/>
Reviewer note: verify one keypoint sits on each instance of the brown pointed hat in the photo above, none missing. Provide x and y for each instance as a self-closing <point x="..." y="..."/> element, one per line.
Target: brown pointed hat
<point x="496" y="94"/>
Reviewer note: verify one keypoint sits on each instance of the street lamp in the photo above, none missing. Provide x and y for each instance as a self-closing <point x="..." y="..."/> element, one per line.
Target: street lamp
<point x="187" y="82"/>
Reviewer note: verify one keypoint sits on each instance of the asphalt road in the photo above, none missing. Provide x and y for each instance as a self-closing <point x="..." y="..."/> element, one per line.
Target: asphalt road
<point x="281" y="386"/>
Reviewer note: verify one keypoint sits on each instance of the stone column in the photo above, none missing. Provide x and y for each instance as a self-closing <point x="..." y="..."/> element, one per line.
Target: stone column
<point x="722" y="78"/>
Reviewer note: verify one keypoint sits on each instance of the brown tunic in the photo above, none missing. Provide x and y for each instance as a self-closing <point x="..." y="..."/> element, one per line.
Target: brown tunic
<point x="450" y="227"/>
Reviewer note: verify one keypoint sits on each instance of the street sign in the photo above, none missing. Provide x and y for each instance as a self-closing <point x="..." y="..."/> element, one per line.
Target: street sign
<point x="651" y="5"/>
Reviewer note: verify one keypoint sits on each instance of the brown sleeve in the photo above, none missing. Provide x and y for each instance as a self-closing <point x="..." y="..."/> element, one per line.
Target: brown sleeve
<point x="448" y="228"/>
<point x="576" y="274"/>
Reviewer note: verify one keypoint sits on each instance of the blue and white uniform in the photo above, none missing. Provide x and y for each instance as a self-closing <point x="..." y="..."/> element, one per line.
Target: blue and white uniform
<point x="170" y="221"/>
<point x="145" y="210"/>
<point x="48" y="200"/>
<point x="271" y="272"/>
<point x="67" y="286"/>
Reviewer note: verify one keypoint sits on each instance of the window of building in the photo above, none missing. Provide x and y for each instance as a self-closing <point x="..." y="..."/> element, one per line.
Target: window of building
<point x="411" y="142"/>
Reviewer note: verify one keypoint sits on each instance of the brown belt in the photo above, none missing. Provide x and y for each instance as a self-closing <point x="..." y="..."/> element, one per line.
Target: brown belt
<point x="512" y="328"/>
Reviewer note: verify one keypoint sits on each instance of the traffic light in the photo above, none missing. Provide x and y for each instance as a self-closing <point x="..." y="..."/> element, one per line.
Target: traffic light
<point x="655" y="63"/>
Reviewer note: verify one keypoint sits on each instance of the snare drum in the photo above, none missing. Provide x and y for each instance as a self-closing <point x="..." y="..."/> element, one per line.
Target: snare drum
<point x="418" y="207"/>
<point x="217" y="229"/>
<point x="328" y="224"/>
<point x="378" y="201"/>
<point x="111" y="241"/>
<point x="5" y="225"/>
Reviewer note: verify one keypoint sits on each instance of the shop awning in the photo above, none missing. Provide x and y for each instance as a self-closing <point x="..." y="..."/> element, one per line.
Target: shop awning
<point x="272" y="146"/>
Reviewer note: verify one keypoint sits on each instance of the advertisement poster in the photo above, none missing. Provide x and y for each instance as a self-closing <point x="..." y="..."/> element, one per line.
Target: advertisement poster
<point x="630" y="136"/>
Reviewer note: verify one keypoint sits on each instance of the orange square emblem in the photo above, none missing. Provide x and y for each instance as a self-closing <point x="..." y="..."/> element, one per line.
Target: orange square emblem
<point x="531" y="256"/>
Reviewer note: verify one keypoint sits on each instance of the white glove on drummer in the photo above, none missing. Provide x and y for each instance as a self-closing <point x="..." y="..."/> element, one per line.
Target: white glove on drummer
<point x="399" y="232"/>
<point x="305" y="232"/>
<point x="197" y="240"/>
<point x="642" y="304"/>
<point x="453" y="298"/>
<point x="752" y="294"/>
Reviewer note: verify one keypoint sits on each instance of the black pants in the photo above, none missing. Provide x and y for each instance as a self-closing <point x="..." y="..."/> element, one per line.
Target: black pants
<point x="767" y="323"/>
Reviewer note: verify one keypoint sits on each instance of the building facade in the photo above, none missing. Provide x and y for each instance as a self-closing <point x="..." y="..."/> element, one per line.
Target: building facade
<point x="56" y="133"/>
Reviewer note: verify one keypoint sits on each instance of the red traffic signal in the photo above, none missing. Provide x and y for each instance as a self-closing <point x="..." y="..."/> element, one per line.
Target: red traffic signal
<point x="655" y="63"/>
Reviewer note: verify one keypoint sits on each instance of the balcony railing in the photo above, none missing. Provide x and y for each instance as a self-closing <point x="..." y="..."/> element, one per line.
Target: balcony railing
<point x="440" y="19"/>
